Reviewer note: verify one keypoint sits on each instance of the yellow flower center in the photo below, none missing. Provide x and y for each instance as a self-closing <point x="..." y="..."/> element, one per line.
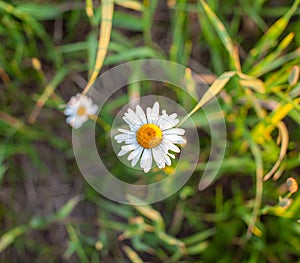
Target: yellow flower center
<point x="149" y="136"/>
<point x="81" y="111"/>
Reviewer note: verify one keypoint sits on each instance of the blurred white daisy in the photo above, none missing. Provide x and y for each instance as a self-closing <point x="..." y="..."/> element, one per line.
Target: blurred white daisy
<point x="150" y="136"/>
<point x="78" y="110"/>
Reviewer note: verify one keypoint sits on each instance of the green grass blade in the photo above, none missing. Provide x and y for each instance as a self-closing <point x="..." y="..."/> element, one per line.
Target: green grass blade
<point x="268" y="67"/>
<point x="258" y="69"/>
<point x="148" y="13"/>
<point x="41" y="11"/>
<point x="75" y="241"/>
<point x="223" y="35"/>
<point x="10" y="236"/>
<point x="270" y="38"/>
<point x="136" y="53"/>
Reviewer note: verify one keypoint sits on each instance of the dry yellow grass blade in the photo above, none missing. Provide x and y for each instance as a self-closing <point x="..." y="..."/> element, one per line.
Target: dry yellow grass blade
<point x="294" y="75"/>
<point x="279" y="172"/>
<point x="262" y="130"/>
<point x="104" y="38"/>
<point x="4" y="77"/>
<point x="10" y="120"/>
<point x="146" y="210"/>
<point x="48" y="91"/>
<point x="134" y="5"/>
<point x="284" y="138"/>
<point x="89" y="8"/>
<point x="214" y="89"/>
<point x="132" y="255"/>
<point x="292" y="185"/>
<point x="251" y="82"/>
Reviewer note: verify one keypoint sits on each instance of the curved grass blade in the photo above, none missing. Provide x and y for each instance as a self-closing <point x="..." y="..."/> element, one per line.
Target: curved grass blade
<point x="104" y="38"/>
<point x="294" y="75"/>
<point x="284" y="136"/>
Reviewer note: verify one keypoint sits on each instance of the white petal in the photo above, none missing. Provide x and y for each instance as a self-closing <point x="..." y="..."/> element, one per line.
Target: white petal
<point x="69" y="119"/>
<point x="167" y="123"/>
<point x="73" y="105"/>
<point x="122" y="152"/>
<point x="158" y="157"/>
<point x="173" y="116"/>
<point x="127" y="138"/>
<point x="171" y="155"/>
<point x="132" y="117"/>
<point x="78" y="121"/>
<point x="137" y="157"/>
<point x="148" y="114"/>
<point x="131" y="141"/>
<point x="69" y="111"/>
<point x="93" y="110"/>
<point x="140" y="114"/>
<point x="133" y="125"/>
<point x="175" y="139"/>
<point x="168" y="160"/>
<point x="131" y="114"/>
<point x="76" y="124"/>
<point x="127" y="148"/>
<point x="133" y="154"/>
<point x="121" y="137"/>
<point x="176" y="131"/>
<point x="146" y="160"/>
<point x="155" y="108"/>
<point x="125" y="131"/>
<point x="153" y="114"/>
<point x="170" y="146"/>
<point x="128" y="120"/>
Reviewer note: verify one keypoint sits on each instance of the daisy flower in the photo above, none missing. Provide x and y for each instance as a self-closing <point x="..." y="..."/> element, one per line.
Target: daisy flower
<point x="150" y="136"/>
<point x="78" y="110"/>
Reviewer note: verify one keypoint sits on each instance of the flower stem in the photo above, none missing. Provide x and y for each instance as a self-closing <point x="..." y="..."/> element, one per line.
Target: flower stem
<point x="101" y="122"/>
